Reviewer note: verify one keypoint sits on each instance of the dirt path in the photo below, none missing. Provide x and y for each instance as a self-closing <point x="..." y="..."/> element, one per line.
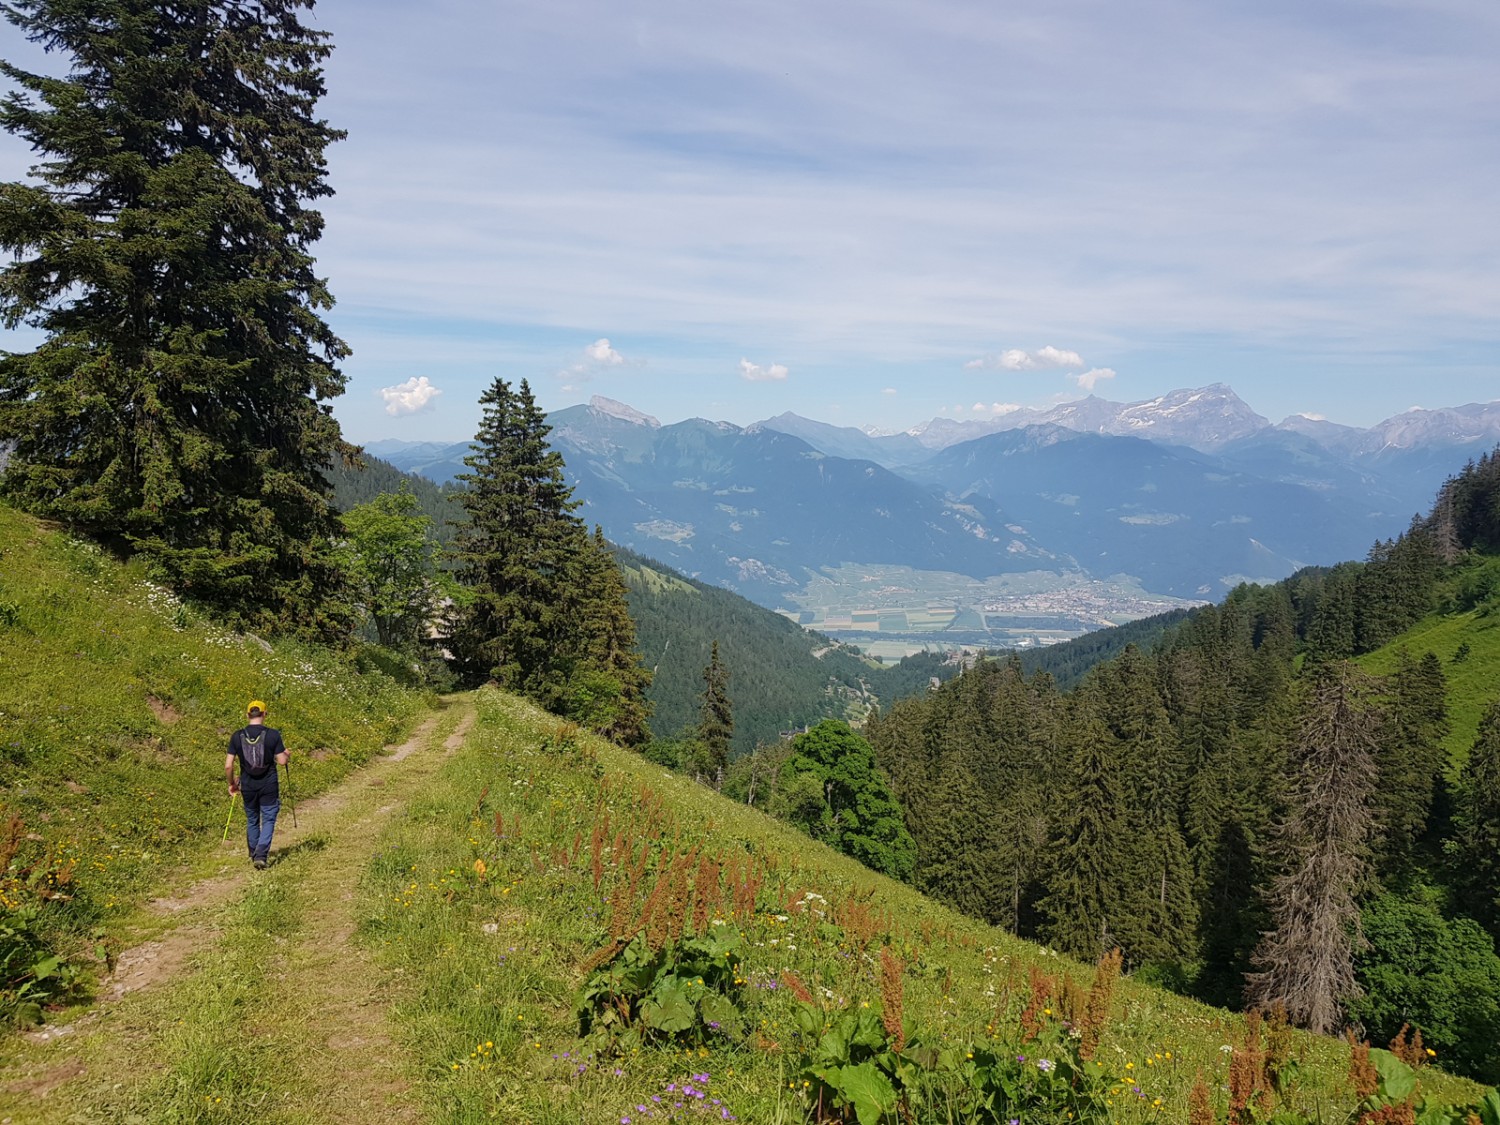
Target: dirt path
<point x="337" y="1061"/>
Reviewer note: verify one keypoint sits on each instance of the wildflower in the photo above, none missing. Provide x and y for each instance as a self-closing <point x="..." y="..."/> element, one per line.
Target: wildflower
<point x="1045" y="1065"/>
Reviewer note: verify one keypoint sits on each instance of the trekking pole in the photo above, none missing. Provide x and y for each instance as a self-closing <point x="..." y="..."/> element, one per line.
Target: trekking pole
<point x="289" y="801"/>
<point x="227" y="819"/>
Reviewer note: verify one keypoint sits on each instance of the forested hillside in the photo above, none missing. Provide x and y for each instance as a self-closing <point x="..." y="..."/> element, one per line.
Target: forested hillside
<point x="1069" y="661"/>
<point x="360" y="483"/>
<point x="781" y="677"/>
<point x="1187" y="804"/>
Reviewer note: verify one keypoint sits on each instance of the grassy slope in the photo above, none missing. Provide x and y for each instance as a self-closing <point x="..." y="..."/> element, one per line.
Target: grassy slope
<point x="490" y="963"/>
<point x="1473" y="684"/>
<point x="116" y="704"/>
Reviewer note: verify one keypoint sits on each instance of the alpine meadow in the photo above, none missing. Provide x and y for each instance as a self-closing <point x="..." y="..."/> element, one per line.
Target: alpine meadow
<point x="1023" y="767"/>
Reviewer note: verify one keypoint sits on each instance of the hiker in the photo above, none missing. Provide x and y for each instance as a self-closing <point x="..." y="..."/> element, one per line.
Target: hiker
<point x="259" y="750"/>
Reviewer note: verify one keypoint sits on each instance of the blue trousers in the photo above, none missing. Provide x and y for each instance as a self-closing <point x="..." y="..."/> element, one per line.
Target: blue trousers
<point x="262" y="803"/>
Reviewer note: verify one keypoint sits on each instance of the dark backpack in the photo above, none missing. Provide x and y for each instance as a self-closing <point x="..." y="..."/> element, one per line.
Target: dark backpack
<point x="253" y="752"/>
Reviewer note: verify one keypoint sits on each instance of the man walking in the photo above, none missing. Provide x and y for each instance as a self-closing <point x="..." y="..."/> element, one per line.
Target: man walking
<point x="259" y="750"/>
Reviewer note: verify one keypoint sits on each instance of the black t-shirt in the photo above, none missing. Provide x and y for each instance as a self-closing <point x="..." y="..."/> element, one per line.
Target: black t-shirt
<point x="256" y="747"/>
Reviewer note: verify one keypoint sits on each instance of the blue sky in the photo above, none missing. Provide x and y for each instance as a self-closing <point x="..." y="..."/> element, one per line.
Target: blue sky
<point x="882" y="212"/>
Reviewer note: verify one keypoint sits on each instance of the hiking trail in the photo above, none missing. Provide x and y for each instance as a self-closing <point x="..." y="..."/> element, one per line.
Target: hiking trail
<point x="257" y="974"/>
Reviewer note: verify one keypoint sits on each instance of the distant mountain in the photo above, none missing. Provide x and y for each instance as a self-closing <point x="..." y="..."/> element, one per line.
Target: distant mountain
<point x="1204" y="418"/>
<point x="1182" y="522"/>
<point x="437" y="461"/>
<point x="757" y="511"/>
<point x="1185" y="492"/>
<point x="891" y="450"/>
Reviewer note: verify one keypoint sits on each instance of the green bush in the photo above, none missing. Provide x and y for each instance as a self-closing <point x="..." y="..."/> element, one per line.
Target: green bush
<point x="688" y="992"/>
<point x="1440" y="975"/>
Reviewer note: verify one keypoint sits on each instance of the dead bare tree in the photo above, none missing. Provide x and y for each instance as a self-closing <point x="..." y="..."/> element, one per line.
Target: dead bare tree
<point x="1306" y="963"/>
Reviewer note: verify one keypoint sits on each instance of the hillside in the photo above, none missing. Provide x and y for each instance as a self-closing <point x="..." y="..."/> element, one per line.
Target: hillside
<point x="434" y="922"/>
<point x="360" y="484"/>
<point x="1466" y="638"/>
<point x="115" y="706"/>
<point x="782" y="676"/>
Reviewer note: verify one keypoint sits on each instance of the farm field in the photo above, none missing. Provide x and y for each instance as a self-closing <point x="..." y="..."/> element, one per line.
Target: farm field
<point x="904" y="610"/>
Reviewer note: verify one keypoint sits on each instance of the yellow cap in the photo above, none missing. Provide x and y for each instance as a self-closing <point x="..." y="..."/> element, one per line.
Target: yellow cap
<point x="255" y="706"/>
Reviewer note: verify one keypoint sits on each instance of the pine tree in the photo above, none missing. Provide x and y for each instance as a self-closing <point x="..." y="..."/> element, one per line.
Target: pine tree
<point x="1475" y="846"/>
<point x="514" y="550"/>
<point x="1306" y="962"/>
<point x="176" y="406"/>
<point x="716" y="721"/>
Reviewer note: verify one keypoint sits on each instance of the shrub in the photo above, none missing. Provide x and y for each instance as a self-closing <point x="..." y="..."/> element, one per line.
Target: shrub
<point x="687" y="992"/>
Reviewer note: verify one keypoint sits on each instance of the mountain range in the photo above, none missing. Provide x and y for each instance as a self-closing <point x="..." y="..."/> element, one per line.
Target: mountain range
<point x="1186" y="494"/>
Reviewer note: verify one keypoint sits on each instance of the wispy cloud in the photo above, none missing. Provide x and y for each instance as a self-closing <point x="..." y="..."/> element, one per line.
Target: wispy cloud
<point x="409" y="397"/>
<point x="1091" y="378"/>
<point x="1018" y="359"/>
<point x="755" y="373"/>
<point x="887" y="185"/>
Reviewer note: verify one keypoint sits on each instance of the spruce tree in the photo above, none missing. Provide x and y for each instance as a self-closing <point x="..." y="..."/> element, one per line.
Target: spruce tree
<point x="1475" y="846"/>
<point x="1306" y="962"/>
<point x="514" y="550"/>
<point x="1412" y="757"/>
<point x="1156" y="875"/>
<point x="1083" y="895"/>
<point x="716" y="718"/>
<point x="607" y="684"/>
<point x="177" y="404"/>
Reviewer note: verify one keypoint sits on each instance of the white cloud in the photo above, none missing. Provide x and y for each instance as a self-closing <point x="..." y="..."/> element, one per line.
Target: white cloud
<point x="888" y="391"/>
<point x="601" y="353"/>
<point x="1005" y="408"/>
<point x="410" y="396"/>
<point x="1016" y="359"/>
<point x="978" y="408"/>
<point x="1093" y="376"/>
<point x="755" y="373"/>
<point x="598" y="355"/>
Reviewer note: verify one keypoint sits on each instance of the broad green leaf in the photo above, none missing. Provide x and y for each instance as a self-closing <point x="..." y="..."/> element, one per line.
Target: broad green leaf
<point x="669" y="1010"/>
<point x="869" y="1091"/>
<point x="1397" y="1080"/>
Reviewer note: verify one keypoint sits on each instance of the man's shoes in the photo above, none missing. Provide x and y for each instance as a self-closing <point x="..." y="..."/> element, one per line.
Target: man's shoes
<point x="260" y="865"/>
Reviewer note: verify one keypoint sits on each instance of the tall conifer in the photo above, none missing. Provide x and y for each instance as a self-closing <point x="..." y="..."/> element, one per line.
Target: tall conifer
<point x="176" y="404"/>
<point x="1083" y="893"/>
<point x="514" y="549"/>
<point x="1306" y="962"/>
<point x="1475" y="847"/>
<point x="716" y="716"/>
<point x="608" y="683"/>
<point x="1412" y="757"/>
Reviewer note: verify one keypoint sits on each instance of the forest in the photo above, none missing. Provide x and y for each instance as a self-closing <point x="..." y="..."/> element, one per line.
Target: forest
<point x="1242" y="810"/>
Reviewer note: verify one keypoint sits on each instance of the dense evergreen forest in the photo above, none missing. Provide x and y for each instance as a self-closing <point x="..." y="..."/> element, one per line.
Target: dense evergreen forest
<point x="1241" y="810"/>
<point x="1068" y="662"/>
<point x="782" y="677"/>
